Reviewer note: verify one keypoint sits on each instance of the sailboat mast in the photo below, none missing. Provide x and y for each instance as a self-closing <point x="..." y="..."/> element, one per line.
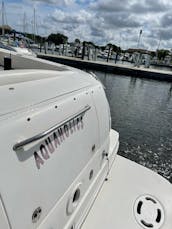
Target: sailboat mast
<point x="24" y="23"/>
<point x="3" y="20"/>
<point x="159" y="42"/>
<point x="34" y="24"/>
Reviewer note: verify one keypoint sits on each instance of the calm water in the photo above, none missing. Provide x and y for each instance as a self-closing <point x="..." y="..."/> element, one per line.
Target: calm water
<point x="141" y="111"/>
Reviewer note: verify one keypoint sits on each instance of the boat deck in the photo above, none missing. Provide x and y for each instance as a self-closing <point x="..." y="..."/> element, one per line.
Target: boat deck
<point x="114" y="206"/>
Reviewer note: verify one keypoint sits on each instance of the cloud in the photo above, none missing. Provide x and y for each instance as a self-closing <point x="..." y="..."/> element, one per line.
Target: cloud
<point x="110" y="6"/>
<point x="80" y="17"/>
<point x="166" y="20"/>
<point x="149" y="6"/>
<point x="99" y="21"/>
<point x="56" y="2"/>
<point x="122" y="20"/>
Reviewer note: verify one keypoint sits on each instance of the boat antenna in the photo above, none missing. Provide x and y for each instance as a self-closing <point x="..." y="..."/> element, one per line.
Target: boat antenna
<point x="138" y="42"/>
<point x="159" y="42"/>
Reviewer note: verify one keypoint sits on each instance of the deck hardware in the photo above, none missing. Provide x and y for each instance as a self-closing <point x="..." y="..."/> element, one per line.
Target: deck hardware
<point x="104" y="157"/>
<point x="36" y="215"/>
<point x="93" y="148"/>
<point x="74" y="199"/>
<point x="37" y="137"/>
<point x="7" y="63"/>
<point x="139" y="206"/>
<point x="91" y="174"/>
<point x="104" y="154"/>
<point x="72" y="227"/>
<point x="76" y="195"/>
<point x="94" y="75"/>
<point x="149" y="212"/>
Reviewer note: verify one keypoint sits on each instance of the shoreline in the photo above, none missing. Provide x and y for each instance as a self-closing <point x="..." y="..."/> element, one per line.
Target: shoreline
<point x="110" y="67"/>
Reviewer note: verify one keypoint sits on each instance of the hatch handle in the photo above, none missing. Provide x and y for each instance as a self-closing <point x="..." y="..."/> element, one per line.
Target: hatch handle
<point x="39" y="136"/>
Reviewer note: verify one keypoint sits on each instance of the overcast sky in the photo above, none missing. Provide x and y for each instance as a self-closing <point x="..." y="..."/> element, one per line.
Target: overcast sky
<point x="99" y="21"/>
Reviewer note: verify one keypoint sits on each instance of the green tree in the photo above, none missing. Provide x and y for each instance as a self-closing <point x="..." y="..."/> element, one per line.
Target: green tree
<point x="77" y="41"/>
<point x="114" y="47"/>
<point x="153" y="54"/>
<point x="38" y="38"/>
<point x="162" y="54"/>
<point x="89" y="43"/>
<point x="57" y="38"/>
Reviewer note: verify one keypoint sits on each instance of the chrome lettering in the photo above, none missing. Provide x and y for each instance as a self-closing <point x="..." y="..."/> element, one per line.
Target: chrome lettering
<point x="82" y="123"/>
<point x="78" y="121"/>
<point x="66" y="130"/>
<point x="61" y="135"/>
<point x="70" y="127"/>
<point x="52" y="142"/>
<point x="49" y="145"/>
<point x="44" y="152"/>
<point x="39" y="161"/>
<point x="56" y="140"/>
<point x="74" y="124"/>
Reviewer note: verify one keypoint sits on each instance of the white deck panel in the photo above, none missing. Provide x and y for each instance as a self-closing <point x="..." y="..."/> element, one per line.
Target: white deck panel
<point x="113" y="208"/>
<point x="20" y="89"/>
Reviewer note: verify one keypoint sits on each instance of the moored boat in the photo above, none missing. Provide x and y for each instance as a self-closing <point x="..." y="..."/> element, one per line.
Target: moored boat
<point x="59" y="164"/>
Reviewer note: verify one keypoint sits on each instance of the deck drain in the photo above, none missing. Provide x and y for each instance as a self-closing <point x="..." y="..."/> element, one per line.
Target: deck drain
<point x="149" y="212"/>
<point x="36" y="215"/>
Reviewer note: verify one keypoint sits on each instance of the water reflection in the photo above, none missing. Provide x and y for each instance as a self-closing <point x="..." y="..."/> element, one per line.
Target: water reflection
<point x="169" y="93"/>
<point x="141" y="111"/>
<point x="133" y="82"/>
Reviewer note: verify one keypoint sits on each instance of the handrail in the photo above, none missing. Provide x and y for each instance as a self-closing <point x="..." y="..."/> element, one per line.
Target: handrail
<point x="50" y="130"/>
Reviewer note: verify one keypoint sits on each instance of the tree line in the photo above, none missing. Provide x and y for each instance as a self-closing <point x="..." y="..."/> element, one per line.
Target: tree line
<point x="58" y="38"/>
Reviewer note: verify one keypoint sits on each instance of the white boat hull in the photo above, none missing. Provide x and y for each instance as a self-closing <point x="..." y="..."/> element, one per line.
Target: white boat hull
<point x="60" y="182"/>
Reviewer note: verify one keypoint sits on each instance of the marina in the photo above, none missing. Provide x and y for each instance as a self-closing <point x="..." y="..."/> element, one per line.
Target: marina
<point x="147" y="142"/>
<point x="141" y="111"/>
<point x="121" y="69"/>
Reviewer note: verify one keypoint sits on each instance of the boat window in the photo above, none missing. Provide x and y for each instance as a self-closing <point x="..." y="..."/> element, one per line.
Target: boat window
<point x="7" y="47"/>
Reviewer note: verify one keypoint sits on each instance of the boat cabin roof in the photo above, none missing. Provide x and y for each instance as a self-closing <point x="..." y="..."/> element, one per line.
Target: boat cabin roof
<point x="21" y="76"/>
<point x="23" y="89"/>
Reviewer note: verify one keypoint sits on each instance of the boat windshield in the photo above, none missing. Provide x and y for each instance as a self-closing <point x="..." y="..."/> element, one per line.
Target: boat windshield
<point x="17" y="43"/>
<point x="6" y="47"/>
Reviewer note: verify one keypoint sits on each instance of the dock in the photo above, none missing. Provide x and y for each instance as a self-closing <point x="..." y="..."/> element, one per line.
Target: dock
<point x="120" y="69"/>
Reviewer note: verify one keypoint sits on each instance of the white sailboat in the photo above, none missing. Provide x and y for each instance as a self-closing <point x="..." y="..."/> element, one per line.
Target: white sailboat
<point x="13" y="43"/>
